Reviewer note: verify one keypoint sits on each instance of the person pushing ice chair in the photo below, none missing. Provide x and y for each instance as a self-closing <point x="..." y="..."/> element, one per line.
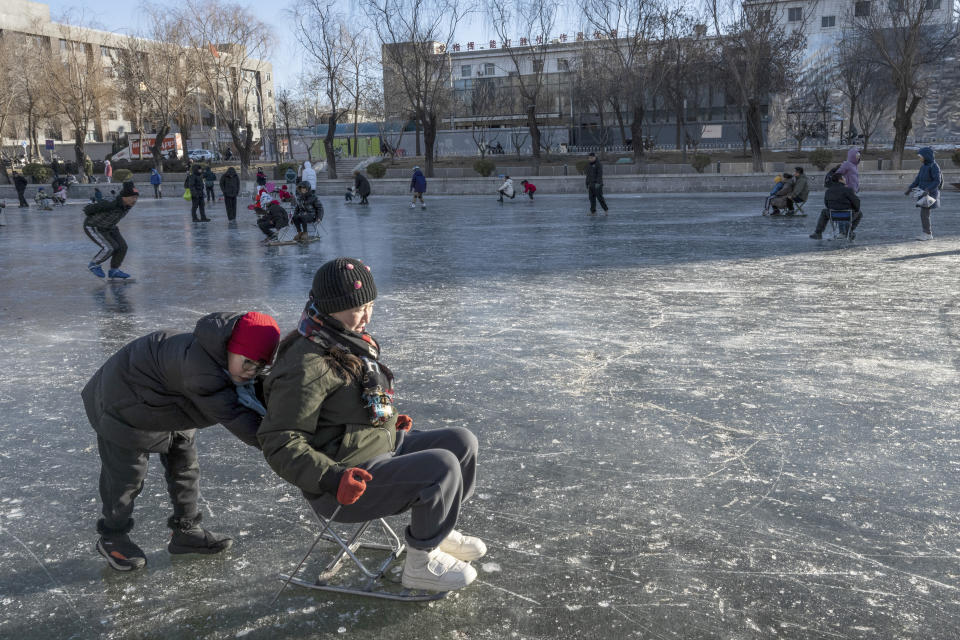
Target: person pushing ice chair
<point x="332" y="429"/>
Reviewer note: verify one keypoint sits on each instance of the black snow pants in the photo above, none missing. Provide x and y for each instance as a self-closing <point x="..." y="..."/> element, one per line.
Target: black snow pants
<point x="432" y="473"/>
<point x="111" y="243"/>
<point x="595" y="191"/>
<point x="23" y="201"/>
<point x="122" y="472"/>
<point x="230" y="202"/>
<point x="197" y="201"/>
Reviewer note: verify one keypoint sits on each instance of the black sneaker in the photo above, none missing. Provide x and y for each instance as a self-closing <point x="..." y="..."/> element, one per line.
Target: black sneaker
<point x="816" y="236"/>
<point x="198" y="540"/>
<point x="121" y="553"/>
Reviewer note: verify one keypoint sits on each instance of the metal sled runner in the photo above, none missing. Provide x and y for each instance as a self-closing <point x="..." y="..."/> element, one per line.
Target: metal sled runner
<point x="369" y="583"/>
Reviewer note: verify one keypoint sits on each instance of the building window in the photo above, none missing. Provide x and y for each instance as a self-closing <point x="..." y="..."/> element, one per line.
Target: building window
<point x="489" y="69"/>
<point x="563" y="64"/>
<point x="795" y="14"/>
<point x="111" y="115"/>
<point x="465" y="71"/>
<point x="537" y="65"/>
<point x="861" y="10"/>
<point x="828" y="21"/>
<point x="932" y="5"/>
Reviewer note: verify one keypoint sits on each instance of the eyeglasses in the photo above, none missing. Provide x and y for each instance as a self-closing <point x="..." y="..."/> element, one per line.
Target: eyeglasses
<point x="253" y="366"/>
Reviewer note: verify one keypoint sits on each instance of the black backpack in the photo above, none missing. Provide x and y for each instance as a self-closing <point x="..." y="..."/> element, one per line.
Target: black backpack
<point x="829" y="178"/>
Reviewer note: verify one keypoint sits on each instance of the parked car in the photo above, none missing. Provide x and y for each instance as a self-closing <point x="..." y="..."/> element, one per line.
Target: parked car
<point x="201" y="155"/>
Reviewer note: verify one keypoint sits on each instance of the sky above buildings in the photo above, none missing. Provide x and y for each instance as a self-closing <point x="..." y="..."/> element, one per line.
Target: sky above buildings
<point x="121" y="17"/>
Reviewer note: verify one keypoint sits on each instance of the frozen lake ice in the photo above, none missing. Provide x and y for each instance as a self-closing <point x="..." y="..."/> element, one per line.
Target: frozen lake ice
<point x="694" y="422"/>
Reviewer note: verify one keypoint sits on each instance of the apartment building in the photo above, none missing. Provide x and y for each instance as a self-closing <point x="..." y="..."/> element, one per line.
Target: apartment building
<point x="31" y="21"/>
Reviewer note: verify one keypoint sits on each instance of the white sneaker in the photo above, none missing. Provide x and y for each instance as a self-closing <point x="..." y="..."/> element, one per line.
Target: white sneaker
<point x="435" y="571"/>
<point x="925" y="236"/>
<point x="461" y="547"/>
<point x="412" y="205"/>
<point x="423" y="206"/>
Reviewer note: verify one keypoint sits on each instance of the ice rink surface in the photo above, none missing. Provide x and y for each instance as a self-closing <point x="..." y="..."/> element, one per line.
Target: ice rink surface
<point x="695" y="422"/>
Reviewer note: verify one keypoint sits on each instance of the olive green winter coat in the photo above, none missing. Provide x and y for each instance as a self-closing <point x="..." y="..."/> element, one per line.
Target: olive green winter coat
<point x="316" y="424"/>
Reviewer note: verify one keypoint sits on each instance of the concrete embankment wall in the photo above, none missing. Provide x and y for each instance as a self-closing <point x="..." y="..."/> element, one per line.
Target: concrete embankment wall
<point x="666" y="183"/>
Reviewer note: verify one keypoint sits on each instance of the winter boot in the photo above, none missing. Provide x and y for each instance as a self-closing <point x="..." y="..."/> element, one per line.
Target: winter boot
<point x="461" y="547"/>
<point x="96" y="270"/>
<point x="117" y="274"/>
<point x="189" y="537"/>
<point x="115" y="545"/>
<point x="435" y="571"/>
<point x="816" y="235"/>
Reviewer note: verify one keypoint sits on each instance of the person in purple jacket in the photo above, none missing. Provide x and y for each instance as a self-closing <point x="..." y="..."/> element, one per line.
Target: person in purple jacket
<point x="850" y="170"/>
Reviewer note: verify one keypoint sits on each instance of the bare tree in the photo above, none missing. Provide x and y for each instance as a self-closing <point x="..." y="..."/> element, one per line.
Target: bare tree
<point x="527" y="24"/>
<point x="32" y="92"/>
<point x="873" y="107"/>
<point x="681" y="56"/>
<point x="906" y="38"/>
<point x="757" y="57"/>
<point x="360" y="65"/>
<point x="286" y="114"/>
<point x="389" y="128"/>
<point x="594" y="83"/>
<point x="82" y="90"/>
<point x="416" y="37"/>
<point x="484" y="103"/>
<point x="802" y="119"/>
<point x="327" y="42"/>
<point x="855" y="71"/>
<point x="518" y="138"/>
<point x="231" y="43"/>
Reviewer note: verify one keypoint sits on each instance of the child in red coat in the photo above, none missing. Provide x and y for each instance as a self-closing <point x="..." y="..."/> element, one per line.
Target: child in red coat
<point x="528" y="188"/>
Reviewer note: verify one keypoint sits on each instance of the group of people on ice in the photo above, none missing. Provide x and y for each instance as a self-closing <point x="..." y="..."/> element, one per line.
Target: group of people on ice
<point x="323" y="416"/>
<point x="841" y="189"/>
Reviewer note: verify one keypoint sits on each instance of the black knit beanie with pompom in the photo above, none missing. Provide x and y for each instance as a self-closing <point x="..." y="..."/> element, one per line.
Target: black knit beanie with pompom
<point x="341" y="284"/>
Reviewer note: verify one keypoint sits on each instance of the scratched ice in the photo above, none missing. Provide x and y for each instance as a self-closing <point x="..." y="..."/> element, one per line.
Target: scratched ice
<point x="695" y="422"/>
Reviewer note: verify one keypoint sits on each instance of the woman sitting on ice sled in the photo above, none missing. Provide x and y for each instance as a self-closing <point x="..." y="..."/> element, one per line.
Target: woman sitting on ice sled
<point x="332" y="430"/>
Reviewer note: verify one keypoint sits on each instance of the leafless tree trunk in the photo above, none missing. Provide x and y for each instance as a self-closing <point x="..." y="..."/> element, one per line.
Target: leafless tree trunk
<point x="416" y="36"/>
<point x="906" y="39"/>
<point x="757" y="56"/>
<point x="873" y="107"/>
<point x="232" y="44"/>
<point x="524" y="28"/>
<point x="328" y="43"/>
<point x="81" y="90"/>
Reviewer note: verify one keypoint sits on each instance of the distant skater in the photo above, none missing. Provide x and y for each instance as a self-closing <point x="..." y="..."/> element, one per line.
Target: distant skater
<point x="594" y="181"/>
<point x="156" y="180"/>
<point x="528" y="188"/>
<point x="230" y="187"/>
<point x="195" y="183"/>
<point x="506" y="189"/>
<point x="361" y="186"/>
<point x="100" y="225"/>
<point x="418" y="184"/>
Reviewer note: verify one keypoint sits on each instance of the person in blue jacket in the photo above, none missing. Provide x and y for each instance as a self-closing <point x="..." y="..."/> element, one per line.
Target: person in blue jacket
<point x="156" y="179"/>
<point x="929" y="179"/>
<point x="418" y="184"/>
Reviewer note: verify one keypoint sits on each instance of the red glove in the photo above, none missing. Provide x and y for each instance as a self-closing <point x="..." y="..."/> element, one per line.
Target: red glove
<point x="404" y="422"/>
<point x="352" y="485"/>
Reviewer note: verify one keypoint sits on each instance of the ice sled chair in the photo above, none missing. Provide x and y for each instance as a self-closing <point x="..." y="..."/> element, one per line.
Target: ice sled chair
<point x="841" y="222"/>
<point x="364" y="580"/>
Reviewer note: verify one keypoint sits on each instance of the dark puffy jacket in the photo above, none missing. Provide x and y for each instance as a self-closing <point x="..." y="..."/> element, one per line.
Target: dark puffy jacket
<point x="317" y="424"/>
<point x="593" y="174"/>
<point x="277" y="216"/>
<point x="166" y="382"/>
<point x="230" y="183"/>
<point x="418" y="182"/>
<point x="929" y="177"/>
<point x="801" y="191"/>
<point x="362" y="185"/>
<point x="209" y="177"/>
<point x="840" y="197"/>
<point x="19" y="182"/>
<point x="105" y="214"/>
<point x="308" y="206"/>
<point x="194" y="182"/>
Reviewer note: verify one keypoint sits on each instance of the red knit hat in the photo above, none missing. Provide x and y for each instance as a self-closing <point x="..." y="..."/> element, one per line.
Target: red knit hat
<point x="256" y="337"/>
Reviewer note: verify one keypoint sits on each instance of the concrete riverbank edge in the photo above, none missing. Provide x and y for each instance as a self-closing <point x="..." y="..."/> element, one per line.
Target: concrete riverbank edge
<point x="634" y="184"/>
